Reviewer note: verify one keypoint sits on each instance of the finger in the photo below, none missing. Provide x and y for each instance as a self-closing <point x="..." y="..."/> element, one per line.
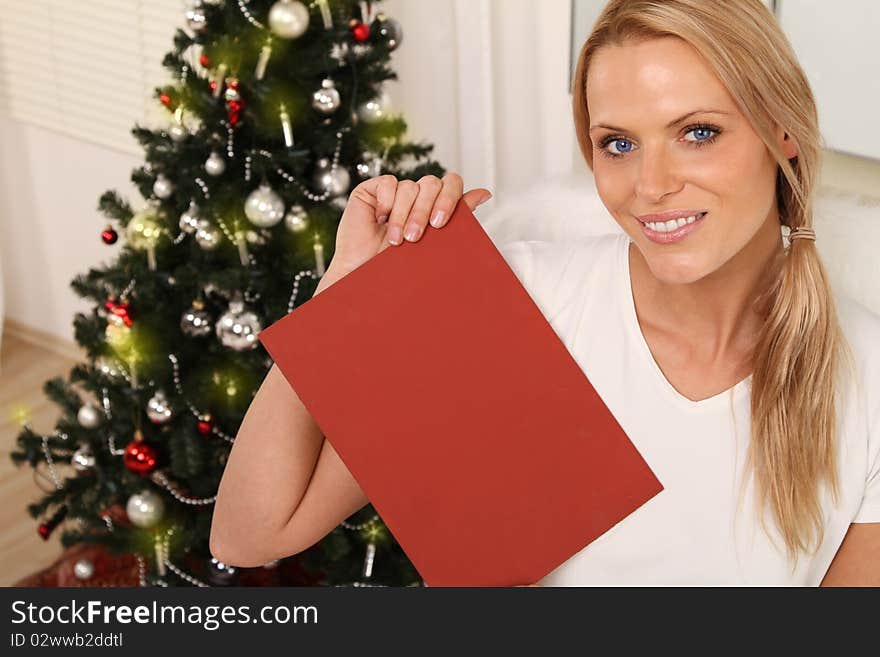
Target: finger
<point x="380" y="192"/>
<point x="429" y="188"/>
<point x="447" y="199"/>
<point x="407" y="191"/>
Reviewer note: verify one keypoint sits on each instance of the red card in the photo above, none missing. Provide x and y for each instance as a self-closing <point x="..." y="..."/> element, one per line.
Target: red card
<point x="459" y="411"/>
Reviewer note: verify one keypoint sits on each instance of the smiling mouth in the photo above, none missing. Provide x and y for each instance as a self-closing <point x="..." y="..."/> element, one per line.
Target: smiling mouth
<point x="673" y="224"/>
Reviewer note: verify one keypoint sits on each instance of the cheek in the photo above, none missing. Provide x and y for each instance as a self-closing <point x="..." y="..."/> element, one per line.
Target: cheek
<point x="613" y="186"/>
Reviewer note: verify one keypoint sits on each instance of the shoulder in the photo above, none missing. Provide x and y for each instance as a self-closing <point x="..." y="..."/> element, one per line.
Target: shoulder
<point x="559" y="275"/>
<point x="537" y="262"/>
<point x="861" y="330"/>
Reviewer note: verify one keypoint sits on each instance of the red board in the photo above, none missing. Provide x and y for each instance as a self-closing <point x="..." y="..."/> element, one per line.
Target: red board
<point x="459" y="411"/>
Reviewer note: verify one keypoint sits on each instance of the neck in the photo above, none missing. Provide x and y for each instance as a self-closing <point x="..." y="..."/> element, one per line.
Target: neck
<point x="720" y="314"/>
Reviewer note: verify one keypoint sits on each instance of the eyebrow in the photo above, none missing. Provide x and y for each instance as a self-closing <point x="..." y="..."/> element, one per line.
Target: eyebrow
<point x="668" y="125"/>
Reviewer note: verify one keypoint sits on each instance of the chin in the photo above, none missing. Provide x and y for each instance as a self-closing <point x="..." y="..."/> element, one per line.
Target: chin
<point x="675" y="268"/>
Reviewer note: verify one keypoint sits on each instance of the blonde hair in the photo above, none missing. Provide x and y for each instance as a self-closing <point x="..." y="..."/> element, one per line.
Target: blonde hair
<point x="799" y="350"/>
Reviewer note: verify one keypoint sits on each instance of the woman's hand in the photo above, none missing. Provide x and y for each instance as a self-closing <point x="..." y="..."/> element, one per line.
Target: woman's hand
<point x="383" y="211"/>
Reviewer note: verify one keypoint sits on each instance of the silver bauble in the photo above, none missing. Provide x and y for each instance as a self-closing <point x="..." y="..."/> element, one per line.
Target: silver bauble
<point x="333" y="180"/>
<point x="196" y="322"/>
<point x="264" y="207"/>
<point x="370" y="166"/>
<point x="208" y="236"/>
<point x="253" y="237"/>
<point x="196" y="18"/>
<point x="83" y="460"/>
<point x="162" y="187"/>
<point x="189" y="220"/>
<point x="288" y="19"/>
<point x="387" y="30"/>
<point x="89" y="416"/>
<point x="219" y="573"/>
<point x="83" y="569"/>
<point x="376" y="109"/>
<point x="109" y="366"/>
<point x="177" y="132"/>
<point x="158" y="409"/>
<point x="237" y="328"/>
<point x="215" y="165"/>
<point x="326" y="100"/>
<point x="296" y="220"/>
<point x="145" y="508"/>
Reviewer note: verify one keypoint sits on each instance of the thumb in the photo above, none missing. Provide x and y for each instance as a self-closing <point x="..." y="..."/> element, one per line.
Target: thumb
<point x="475" y="197"/>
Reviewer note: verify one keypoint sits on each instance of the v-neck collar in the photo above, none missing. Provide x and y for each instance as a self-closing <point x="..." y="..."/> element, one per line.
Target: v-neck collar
<point x="631" y="321"/>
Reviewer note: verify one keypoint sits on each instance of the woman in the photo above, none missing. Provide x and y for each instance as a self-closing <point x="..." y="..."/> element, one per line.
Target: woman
<point x="719" y="348"/>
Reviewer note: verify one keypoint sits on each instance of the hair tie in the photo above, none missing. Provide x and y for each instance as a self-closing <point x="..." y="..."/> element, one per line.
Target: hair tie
<point x="801" y="232"/>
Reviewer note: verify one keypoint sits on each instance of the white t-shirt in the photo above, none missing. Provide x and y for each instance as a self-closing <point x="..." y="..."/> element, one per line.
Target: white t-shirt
<point x="691" y="533"/>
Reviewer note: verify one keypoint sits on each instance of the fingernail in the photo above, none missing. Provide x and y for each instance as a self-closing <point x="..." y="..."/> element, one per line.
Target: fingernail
<point x="412" y="233"/>
<point x="394" y="234"/>
<point x="484" y="199"/>
<point x="437" y="219"/>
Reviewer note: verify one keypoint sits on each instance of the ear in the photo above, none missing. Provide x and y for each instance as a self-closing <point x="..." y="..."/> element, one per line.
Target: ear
<point x="786" y="143"/>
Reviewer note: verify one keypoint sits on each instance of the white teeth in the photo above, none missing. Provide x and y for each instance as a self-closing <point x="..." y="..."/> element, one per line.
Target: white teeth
<point x="672" y="224"/>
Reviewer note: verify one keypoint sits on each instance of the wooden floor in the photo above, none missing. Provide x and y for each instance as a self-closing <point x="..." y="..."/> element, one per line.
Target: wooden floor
<point x="24" y="367"/>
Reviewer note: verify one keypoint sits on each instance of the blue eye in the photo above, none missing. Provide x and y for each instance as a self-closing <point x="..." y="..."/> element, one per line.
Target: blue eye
<point x="704" y="129"/>
<point x="699" y="129"/>
<point x="617" y="140"/>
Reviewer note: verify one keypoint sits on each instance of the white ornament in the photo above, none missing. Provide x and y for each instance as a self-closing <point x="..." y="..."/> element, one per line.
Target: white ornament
<point x="215" y="165"/>
<point x="237" y="328"/>
<point x="109" y="367"/>
<point x="264" y="207"/>
<point x="288" y="19"/>
<point x="196" y="18"/>
<point x="326" y="100"/>
<point x="145" y="508"/>
<point x="83" y="459"/>
<point x="376" y="109"/>
<point x="162" y="187"/>
<point x="331" y="179"/>
<point x="207" y="235"/>
<point x="83" y="569"/>
<point x="296" y="219"/>
<point x="189" y="220"/>
<point x="177" y="132"/>
<point x="370" y="167"/>
<point x="158" y="409"/>
<point x="89" y="416"/>
<point x="196" y="321"/>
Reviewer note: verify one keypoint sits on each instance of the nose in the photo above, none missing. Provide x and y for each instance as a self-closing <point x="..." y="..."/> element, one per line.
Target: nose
<point x="656" y="174"/>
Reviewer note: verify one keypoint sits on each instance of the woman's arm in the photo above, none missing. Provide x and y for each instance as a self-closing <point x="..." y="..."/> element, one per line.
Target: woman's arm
<point x="284" y="487"/>
<point x="857" y="562"/>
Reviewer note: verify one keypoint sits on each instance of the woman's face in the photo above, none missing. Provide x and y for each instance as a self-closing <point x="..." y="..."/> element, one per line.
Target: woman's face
<point x="709" y="161"/>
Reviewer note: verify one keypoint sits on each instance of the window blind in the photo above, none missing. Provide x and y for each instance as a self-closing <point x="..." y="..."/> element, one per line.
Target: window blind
<point x="88" y="68"/>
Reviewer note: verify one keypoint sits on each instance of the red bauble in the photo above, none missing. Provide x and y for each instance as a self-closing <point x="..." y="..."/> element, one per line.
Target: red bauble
<point x="45" y="529"/>
<point x="360" y="31"/>
<point x="204" y="61"/>
<point x="206" y="425"/>
<point x="140" y="458"/>
<point x="165" y="99"/>
<point x="119" y="311"/>
<point x="109" y="235"/>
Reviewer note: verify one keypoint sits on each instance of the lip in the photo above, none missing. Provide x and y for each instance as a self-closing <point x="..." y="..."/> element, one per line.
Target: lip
<point x="667" y="215"/>
<point x="676" y="235"/>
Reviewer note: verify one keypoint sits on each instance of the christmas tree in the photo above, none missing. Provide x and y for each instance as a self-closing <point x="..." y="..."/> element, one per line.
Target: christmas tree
<point x="275" y="110"/>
